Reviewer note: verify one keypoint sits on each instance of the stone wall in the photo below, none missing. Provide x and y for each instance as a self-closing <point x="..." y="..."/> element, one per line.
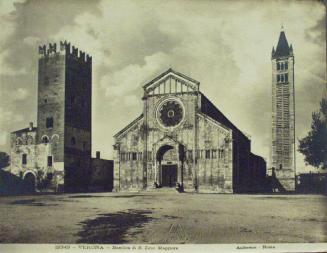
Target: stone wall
<point x="102" y="175"/>
<point x="51" y="100"/>
<point x="47" y="176"/>
<point x="241" y="145"/>
<point x="283" y="121"/>
<point x="64" y="95"/>
<point x="185" y="134"/>
<point x="215" y="156"/>
<point x="129" y="159"/>
<point x="78" y="142"/>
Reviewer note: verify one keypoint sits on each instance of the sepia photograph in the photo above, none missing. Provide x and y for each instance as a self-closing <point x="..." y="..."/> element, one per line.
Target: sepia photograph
<point x="163" y="126"/>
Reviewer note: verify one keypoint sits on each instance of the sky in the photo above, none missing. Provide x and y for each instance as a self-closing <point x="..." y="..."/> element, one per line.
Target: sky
<point x="226" y="45"/>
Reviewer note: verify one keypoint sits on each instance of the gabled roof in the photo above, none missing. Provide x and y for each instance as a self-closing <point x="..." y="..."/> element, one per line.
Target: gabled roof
<point x="129" y="126"/>
<point x="170" y="71"/>
<point x="282" y="48"/>
<point x="209" y="109"/>
<point x="24" y="130"/>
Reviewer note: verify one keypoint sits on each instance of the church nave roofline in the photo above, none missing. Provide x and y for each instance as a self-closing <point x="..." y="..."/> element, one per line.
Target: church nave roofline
<point x="128" y="126"/>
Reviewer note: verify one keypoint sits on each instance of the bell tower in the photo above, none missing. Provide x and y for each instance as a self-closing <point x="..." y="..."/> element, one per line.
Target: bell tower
<point x="283" y="114"/>
<point x="64" y="111"/>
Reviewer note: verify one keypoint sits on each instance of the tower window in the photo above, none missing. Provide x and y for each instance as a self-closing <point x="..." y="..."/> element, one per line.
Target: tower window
<point x="134" y="156"/>
<point x="45" y="139"/>
<point x="24" y="159"/>
<point x="286" y="77"/>
<point x="278" y="78"/>
<point x="278" y="66"/>
<point x="282" y="78"/>
<point x="49" y="161"/>
<point x="286" y="65"/>
<point x="49" y="122"/>
<point x="73" y="141"/>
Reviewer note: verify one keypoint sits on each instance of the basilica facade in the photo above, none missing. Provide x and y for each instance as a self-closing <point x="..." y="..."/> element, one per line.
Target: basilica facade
<point x="182" y="139"/>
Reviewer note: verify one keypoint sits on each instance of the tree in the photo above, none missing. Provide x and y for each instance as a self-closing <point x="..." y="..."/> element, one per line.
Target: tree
<point x="314" y="146"/>
<point x="4" y="159"/>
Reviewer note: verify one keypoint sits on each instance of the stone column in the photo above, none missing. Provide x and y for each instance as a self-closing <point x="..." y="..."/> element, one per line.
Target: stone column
<point x="116" y="168"/>
<point x="160" y="173"/>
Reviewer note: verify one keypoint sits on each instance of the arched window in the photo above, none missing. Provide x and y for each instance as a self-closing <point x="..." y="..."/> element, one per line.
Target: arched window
<point x="45" y="139"/>
<point x="55" y="138"/>
<point x="19" y="141"/>
<point x="73" y="141"/>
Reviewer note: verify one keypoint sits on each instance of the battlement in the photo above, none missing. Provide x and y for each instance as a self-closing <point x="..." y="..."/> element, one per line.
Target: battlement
<point x="64" y="48"/>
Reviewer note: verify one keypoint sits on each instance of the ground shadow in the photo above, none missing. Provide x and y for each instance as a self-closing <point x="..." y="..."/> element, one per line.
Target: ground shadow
<point x="30" y="202"/>
<point x="85" y="196"/>
<point x="14" y="185"/>
<point x="285" y="197"/>
<point x="95" y="196"/>
<point x="112" y="227"/>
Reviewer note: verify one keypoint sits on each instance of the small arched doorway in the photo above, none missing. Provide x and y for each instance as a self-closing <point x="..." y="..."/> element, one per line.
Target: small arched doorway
<point x="29" y="183"/>
<point x="167" y="157"/>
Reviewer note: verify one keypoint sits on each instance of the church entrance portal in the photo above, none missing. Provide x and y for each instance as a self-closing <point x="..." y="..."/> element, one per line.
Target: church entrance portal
<point x="169" y="165"/>
<point x="29" y="183"/>
<point x="169" y="175"/>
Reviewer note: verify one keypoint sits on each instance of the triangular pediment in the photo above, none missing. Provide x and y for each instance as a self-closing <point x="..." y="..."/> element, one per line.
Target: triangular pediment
<point x="171" y="81"/>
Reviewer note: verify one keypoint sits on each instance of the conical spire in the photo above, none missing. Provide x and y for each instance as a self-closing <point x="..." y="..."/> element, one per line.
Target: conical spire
<point x="282" y="48"/>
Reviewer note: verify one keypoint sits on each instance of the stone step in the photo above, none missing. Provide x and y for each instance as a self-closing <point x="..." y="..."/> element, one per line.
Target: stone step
<point x="163" y="189"/>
